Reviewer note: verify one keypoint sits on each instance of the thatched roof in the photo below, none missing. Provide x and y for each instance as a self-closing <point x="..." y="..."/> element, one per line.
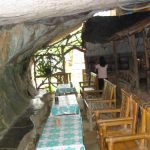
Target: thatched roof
<point x="100" y="29"/>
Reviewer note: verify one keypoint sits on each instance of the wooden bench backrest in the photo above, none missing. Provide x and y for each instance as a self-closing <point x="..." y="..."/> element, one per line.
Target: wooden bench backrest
<point x="143" y="126"/>
<point x="147" y="125"/>
<point x="109" y="91"/>
<point x="133" y="111"/>
<point x="126" y="97"/>
<point x="62" y="77"/>
<point x="93" y="76"/>
<point x="136" y="141"/>
<point x="93" y="79"/>
<point x="84" y="75"/>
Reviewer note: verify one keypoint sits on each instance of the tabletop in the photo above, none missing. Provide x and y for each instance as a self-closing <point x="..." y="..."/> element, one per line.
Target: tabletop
<point x="63" y="86"/>
<point x="69" y="99"/>
<point x="63" y="89"/>
<point x="67" y="135"/>
<point x="67" y="104"/>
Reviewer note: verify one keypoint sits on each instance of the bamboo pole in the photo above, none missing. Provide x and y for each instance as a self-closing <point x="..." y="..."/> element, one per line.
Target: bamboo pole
<point x="143" y="128"/>
<point x="35" y="76"/>
<point x="147" y="57"/>
<point x="63" y="58"/>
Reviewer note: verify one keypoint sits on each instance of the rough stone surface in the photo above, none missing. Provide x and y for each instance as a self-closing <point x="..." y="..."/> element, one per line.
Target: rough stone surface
<point x="17" y="45"/>
<point x="25" y="10"/>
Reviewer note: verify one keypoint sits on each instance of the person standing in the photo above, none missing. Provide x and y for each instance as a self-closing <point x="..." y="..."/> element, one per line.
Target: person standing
<point x="102" y="72"/>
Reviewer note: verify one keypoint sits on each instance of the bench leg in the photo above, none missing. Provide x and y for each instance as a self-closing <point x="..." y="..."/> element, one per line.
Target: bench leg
<point x="90" y="120"/>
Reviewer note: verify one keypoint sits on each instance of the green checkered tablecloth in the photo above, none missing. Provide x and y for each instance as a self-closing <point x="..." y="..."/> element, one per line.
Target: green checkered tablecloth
<point x="67" y="105"/>
<point x="64" y="88"/>
<point x="66" y="136"/>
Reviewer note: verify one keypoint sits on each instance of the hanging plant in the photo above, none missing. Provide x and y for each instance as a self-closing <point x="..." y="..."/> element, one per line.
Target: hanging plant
<point x="44" y="69"/>
<point x="47" y="71"/>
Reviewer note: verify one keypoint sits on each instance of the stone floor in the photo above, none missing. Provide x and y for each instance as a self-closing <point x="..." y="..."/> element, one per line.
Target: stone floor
<point x="17" y="131"/>
<point x="90" y="140"/>
<point x="24" y="125"/>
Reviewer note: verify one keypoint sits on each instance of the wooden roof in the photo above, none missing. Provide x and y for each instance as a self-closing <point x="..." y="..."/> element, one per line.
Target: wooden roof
<point x="104" y="29"/>
<point x="138" y="27"/>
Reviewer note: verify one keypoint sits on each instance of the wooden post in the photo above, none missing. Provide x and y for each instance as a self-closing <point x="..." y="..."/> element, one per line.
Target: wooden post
<point x="86" y="60"/>
<point x="143" y="128"/>
<point x="63" y="58"/>
<point x="110" y="146"/>
<point x="116" y="60"/>
<point x="34" y="64"/>
<point x="49" y="84"/>
<point x="147" y="57"/>
<point x="49" y="76"/>
<point x="134" y="56"/>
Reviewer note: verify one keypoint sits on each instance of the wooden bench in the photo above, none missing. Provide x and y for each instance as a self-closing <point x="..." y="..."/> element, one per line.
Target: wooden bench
<point x="124" y="124"/>
<point x="88" y="85"/>
<point x="105" y="99"/>
<point x="138" y="141"/>
<point x="62" y="77"/>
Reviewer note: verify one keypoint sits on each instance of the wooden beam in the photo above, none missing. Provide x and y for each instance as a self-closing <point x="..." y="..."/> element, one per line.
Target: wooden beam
<point x="138" y="27"/>
<point x="147" y="58"/>
<point x="134" y="53"/>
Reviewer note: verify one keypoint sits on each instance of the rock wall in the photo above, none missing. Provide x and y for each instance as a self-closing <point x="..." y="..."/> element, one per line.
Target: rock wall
<point x="18" y="43"/>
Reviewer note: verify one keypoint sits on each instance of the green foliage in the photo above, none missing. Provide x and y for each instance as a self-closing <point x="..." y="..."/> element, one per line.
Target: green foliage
<point x="49" y="60"/>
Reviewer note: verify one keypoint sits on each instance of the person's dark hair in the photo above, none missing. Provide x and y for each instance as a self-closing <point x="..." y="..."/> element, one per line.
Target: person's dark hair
<point x="102" y="61"/>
